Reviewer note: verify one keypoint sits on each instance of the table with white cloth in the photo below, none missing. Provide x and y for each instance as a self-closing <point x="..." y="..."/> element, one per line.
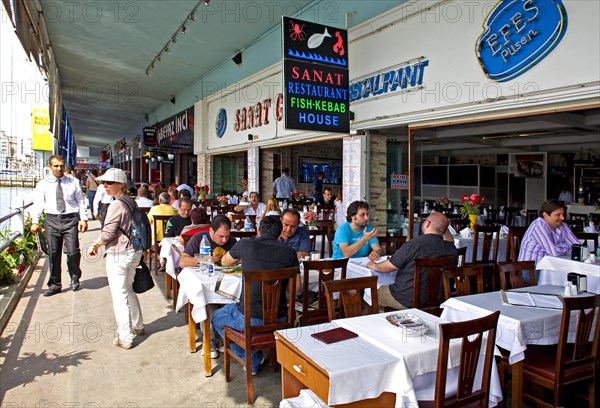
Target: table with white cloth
<point x="171" y="250"/>
<point x="357" y="268"/>
<point x="381" y="365"/>
<point x="198" y="292"/>
<point x="518" y="326"/>
<point x="460" y="242"/>
<point x="554" y="270"/>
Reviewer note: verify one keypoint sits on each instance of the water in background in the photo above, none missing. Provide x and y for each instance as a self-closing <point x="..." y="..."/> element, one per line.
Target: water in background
<point x="10" y="197"/>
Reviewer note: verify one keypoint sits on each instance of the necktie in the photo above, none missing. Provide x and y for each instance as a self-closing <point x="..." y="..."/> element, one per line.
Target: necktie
<point x="60" y="199"/>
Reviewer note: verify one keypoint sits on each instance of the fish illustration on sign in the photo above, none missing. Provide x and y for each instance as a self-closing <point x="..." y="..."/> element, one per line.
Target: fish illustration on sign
<point x="316" y="40"/>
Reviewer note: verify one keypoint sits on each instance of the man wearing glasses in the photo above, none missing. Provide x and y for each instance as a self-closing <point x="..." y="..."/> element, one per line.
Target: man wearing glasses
<point x="177" y="223"/>
<point x="61" y="198"/>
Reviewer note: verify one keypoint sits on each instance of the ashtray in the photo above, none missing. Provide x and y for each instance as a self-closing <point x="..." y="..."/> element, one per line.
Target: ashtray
<point x="411" y="324"/>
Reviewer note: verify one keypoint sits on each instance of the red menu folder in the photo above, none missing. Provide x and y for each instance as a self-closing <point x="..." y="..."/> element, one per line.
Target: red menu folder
<point x="334" y="335"/>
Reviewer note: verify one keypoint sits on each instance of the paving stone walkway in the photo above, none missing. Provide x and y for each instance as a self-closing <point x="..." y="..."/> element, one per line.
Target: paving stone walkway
<point x="57" y="352"/>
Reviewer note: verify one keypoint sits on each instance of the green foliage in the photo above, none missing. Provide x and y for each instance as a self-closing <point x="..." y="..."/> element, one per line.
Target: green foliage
<point x="18" y="254"/>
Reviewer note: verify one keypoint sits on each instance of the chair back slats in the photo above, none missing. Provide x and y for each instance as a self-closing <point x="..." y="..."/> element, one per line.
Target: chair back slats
<point x="314" y="235"/>
<point x="466" y="280"/>
<point x="462" y="256"/>
<point x="489" y="244"/>
<point x="459" y="224"/>
<point x="472" y="335"/>
<point x="575" y="225"/>
<point x="582" y="217"/>
<point x="430" y="270"/>
<point x="511" y="215"/>
<point x="391" y="244"/>
<point x="351" y="294"/>
<point x="325" y="211"/>
<point x="273" y="282"/>
<point x="515" y="270"/>
<point x="530" y="216"/>
<point x="515" y="236"/>
<point x="326" y="270"/>
<point x="494" y="218"/>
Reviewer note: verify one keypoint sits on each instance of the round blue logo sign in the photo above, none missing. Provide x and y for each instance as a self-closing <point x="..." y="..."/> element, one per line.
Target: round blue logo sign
<point x="221" y="122"/>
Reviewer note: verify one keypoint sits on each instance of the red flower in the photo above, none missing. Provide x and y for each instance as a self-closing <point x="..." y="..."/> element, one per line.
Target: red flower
<point x="21" y="268"/>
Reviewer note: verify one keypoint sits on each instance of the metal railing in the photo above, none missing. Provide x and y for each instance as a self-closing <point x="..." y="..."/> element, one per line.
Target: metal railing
<point x="19" y="231"/>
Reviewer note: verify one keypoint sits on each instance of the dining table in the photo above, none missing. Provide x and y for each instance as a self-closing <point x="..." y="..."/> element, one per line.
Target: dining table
<point x="357" y="268"/>
<point x="198" y="291"/>
<point x="171" y="250"/>
<point x="554" y="271"/>
<point x="461" y="241"/>
<point x="381" y="366"/>
<point x="518" y="326"/>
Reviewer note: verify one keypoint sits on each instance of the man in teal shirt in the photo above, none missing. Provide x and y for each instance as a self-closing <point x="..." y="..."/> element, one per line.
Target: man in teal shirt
<point x="356" y="238"/>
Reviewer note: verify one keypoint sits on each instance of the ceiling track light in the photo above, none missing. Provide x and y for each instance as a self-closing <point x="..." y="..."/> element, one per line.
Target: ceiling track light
<point x="180" y="30"/>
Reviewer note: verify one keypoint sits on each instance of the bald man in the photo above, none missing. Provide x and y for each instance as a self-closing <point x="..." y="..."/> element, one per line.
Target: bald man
<point x="431" y="244"/>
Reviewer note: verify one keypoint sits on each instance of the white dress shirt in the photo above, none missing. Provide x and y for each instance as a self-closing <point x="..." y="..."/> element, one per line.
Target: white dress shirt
<point x="44" y="198"/>
<point x="101" y="197"/>
<point x="144" y="202"/>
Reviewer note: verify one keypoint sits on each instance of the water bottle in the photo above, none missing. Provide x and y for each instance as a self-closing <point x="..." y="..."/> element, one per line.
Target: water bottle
<point x="248" y="224"/>
<point x="205" y="253"/>
<point x="136" y="240"/>
<point x="598" y="252"/>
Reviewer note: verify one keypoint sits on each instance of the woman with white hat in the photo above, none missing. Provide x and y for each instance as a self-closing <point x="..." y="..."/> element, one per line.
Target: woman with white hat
<point x="121" y="258"/>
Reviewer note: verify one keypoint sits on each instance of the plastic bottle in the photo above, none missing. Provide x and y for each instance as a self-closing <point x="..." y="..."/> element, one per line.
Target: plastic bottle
<point x="598" y="252"/>
<point x="248" y="223"/>
<point x="205" y="252"/>
<point x="136" y="240"/>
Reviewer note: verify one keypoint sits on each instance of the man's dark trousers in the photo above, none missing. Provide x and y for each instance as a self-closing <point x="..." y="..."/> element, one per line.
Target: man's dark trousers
<point x="63" y="230"/>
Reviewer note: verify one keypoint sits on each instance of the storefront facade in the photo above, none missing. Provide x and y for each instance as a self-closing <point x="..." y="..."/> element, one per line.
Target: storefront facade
<point x="431" y="85"/>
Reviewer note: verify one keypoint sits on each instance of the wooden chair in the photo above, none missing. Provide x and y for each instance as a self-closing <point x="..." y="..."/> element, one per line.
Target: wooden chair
<point x="145" y="209"/>
<point x="595" y="217"/>
<point x="459" y="224"/>
<point x="274" y="284"/>
<point x="530" y="216"/>
<point x="326" y="211"/>
<point x="588" y="236"/>
<point x="557" y="367"/>
<point x="159" y="223"/>
<point x="515" y="270"/>
<point x="243" y="234"/>
<point x="224" y="209"/>
<point x="489" y="252"/>
<point x="427" y="277"/>
<point x="391" y="244"/>
<point x="493" y="217"/>
<point x="462" y="256"/>
<point x="578" y="217"/>
<point x="326" y="270"/>
<point x="575" y="225"/>
<point x="328" y="226"/>
<point x="460" y="281"/>
<point x="314" y="236"/>
<point x="511" y="215"/>
<point x="515" y="236"/>
<point x="299" y="205"/>
<point x="471" y="333"/>
<point x="351" y="293"/>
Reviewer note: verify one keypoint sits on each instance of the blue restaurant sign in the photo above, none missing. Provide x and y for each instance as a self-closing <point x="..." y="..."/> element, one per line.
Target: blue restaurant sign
<point x="519" y="34"/>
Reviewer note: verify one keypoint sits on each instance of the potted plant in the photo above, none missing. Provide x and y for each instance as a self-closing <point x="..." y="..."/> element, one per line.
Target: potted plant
<point x="470" y="207"/>
<point x="297" y="195"/>
<point x="310" y="219"/>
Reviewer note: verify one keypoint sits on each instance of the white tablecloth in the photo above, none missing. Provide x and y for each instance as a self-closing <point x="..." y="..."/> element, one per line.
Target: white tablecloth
<point x="357" y="269"/>
<point x="199" y="289"/>
<point x="518" y="326"/>
<point x="382" y="359"/>
<point x="170" y="254"/>
<point x="554" y="270"/>
<point x="460" y="242"/>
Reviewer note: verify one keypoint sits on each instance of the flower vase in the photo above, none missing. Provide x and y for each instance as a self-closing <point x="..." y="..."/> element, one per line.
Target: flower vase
<point x="473" y="221"/>
<point x="312" y="226"/>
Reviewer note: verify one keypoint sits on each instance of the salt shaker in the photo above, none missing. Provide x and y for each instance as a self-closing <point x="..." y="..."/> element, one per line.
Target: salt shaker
<point x="574" y="291"/>
<point x="567" y="292"/>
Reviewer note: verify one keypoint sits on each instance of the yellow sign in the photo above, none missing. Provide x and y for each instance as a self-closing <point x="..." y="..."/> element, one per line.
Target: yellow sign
<point x="42" y="138"/>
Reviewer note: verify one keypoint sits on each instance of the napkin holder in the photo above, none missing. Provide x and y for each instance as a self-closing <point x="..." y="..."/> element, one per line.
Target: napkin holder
<point x="578" y="280"/>
<point x="579" y="252"/>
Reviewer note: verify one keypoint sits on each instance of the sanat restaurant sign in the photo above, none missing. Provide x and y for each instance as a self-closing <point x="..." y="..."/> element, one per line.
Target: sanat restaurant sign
<point x="315" y="77"/>
<point x="518" y="35"/>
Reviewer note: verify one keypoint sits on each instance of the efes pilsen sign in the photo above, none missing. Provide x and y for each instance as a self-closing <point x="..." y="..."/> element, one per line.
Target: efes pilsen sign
<point x="519" y="34"/>
<point x="315" y="77"/>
